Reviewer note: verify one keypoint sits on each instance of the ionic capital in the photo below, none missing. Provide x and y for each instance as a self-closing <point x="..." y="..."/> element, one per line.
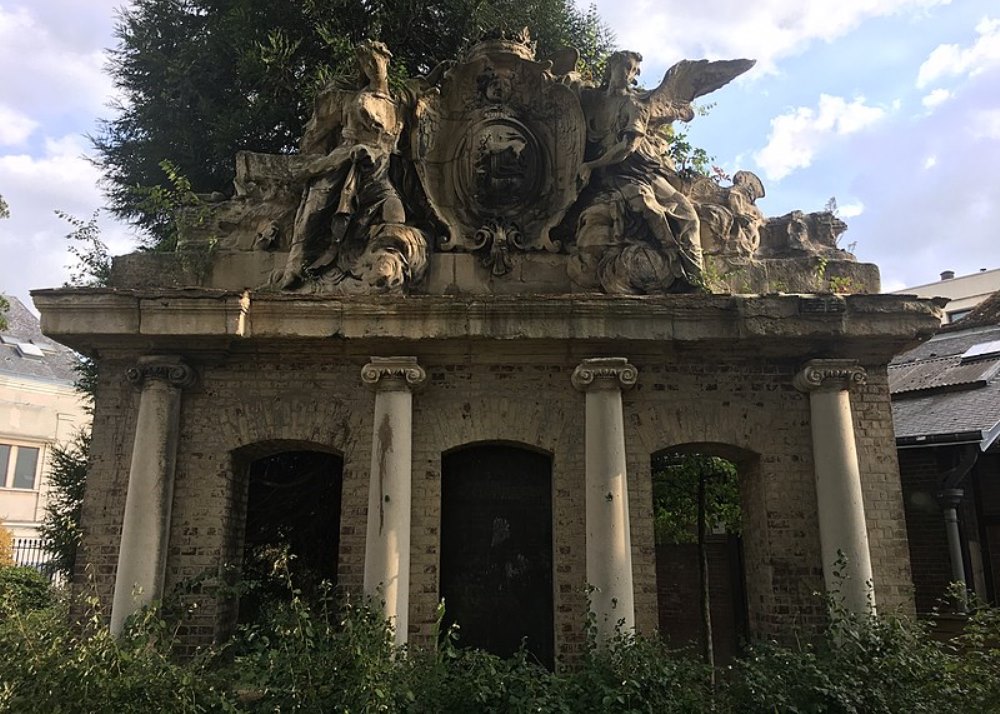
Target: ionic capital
<point x="169" y="369"/>
<point x="604" y="373"/>
<point x="830" y="375"/>
<point x="393" y="373"/>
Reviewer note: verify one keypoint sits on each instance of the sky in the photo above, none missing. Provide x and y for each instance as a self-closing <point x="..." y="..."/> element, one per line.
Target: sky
<point x="892" y="107"/>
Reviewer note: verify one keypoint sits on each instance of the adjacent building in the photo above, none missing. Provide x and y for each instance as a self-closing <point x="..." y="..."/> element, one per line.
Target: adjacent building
<point x="963" y="292"/>
<point x="946" y="409"/>
<point x="39" y="409"/>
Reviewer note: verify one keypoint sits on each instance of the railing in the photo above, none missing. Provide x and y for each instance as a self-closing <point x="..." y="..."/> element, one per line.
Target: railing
<point x="31" y="553"/>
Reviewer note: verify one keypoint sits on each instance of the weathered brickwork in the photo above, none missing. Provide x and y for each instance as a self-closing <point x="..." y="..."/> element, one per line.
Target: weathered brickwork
<point x="256" y="402"/>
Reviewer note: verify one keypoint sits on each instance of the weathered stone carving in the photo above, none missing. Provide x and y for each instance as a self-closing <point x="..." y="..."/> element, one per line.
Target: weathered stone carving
<point x="393" y="373"/>
<point x="638" y="232"/>
<point x="796" y="234"/>
<point x="349" y="199"/>
<point x="730" y="219"/>
<point x="499" y="173"/>
<point x="168" y="369"/>
<point x="830" y="374"/>
<point x="604" y="373"/>
<point x="499" y="150"/>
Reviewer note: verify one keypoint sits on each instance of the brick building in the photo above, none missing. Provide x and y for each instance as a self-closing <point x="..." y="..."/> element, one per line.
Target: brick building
<point x="946" y="407"/>
<point x="198" y="386"/>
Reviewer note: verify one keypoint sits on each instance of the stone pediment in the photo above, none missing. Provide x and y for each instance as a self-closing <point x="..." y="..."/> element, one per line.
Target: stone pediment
<point x="502" y="173"/>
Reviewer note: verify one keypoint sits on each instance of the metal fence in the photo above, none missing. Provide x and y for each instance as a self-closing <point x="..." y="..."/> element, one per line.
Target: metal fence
<point x="31" y="553"/>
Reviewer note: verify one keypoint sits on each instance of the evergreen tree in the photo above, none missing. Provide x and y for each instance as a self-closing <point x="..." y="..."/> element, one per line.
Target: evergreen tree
<point x="202" y="79"/>
<point x="60" y="527"/>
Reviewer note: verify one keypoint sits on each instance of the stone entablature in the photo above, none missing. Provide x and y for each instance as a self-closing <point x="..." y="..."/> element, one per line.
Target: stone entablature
<point x="864" y="326"/>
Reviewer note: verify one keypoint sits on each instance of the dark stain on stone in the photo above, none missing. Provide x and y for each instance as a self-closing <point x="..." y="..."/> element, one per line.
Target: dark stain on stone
<point x="384" y="444"/>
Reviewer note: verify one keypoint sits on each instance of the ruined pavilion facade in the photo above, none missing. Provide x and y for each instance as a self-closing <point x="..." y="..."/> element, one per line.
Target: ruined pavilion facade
<point x="537" y="306"/>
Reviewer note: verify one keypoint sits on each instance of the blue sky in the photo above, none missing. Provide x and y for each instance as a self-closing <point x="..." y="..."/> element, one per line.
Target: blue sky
<point x="891" y="106"/>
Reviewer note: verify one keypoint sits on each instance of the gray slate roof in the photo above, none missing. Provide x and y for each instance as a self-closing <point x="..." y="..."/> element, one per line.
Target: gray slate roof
<point x="56" y="361"/>
<point x="938" y="396"/>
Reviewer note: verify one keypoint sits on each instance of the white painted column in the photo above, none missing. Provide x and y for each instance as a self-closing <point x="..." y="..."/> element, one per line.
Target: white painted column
<point x="387" y="548"/>
<point x="609" y="542"/>
<point x="142" y="556"/>
<point x="843" y="531"/>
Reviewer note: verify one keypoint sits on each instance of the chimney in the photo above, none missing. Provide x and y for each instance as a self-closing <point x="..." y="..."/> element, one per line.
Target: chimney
<point x="948" y="275"/>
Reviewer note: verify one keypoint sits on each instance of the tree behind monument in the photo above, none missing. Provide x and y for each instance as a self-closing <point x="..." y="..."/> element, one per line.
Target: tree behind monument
<point x="201" y="80"/>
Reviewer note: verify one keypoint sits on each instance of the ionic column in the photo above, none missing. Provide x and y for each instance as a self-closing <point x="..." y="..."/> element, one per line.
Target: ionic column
<point x="842" y="526"/>
<point x="387" y="548"/>
<point x="609" y="544"/>
<point x="142" y="557"/>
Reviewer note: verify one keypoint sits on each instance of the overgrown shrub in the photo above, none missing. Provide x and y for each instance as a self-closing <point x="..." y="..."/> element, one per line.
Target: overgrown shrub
<point x="316" y="657"/>
<point x="23" y="590"/>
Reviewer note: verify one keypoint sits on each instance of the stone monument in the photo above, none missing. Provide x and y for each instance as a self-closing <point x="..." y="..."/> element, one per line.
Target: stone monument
<point x="491" y="271"/>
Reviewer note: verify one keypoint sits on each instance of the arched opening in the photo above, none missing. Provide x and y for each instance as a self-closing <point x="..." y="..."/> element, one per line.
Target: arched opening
<point x="698" y="528"/>
<point x="291" y="515"/>
<point x="496" y="548"/>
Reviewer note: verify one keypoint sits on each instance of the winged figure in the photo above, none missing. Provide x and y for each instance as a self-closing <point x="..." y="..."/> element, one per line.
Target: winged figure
<point x="638" y="233"/>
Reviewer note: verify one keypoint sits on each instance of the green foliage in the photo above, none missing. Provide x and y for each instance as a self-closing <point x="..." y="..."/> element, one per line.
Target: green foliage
<point x="203" y="79"/>
<point x="876" y="665"/>
<point x="51" y="666"/>
<point x="23" y="589"/>
<point x="60" y="528"/>
<point x="4" y="307"/>
<point x="675" y="496"/>
<point x="315" y="657"/>
<point x="4" y="208"/>
<point x="93" y="268"/>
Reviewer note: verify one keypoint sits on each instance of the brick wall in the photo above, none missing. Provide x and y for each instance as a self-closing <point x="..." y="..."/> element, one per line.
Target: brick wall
<point x="261" y="399"/>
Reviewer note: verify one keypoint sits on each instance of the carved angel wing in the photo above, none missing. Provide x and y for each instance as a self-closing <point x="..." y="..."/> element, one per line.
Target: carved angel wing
<point x="564" y="61"/>
<point x="686" y="81"/>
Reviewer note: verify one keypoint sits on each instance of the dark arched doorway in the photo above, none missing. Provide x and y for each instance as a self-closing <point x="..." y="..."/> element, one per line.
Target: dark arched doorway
<point x="496" y="548"/>
<point x="292" y="515"/>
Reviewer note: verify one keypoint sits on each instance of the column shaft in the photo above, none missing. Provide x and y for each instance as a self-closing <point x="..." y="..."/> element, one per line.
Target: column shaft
<point x="387" y="545"/>
<point x="609" y="542"/>
<point x="142" y="556"/>
<point x="843" y="530"/>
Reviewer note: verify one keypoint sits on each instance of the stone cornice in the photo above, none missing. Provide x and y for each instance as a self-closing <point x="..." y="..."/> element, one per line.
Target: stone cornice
<point x="604" y="373"/>
<point x="169" y="369"/>
<point x="393" y="373"/>
<point x="829" y="374"/>
<point x="872" y="328"/>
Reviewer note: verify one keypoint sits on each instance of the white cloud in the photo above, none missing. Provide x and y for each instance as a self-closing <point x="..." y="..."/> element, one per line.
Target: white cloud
<point x="985" y="124"/>
<point x="798" y="135"/>
<point x="47" y="69"/>
<point x="936" y="98"/>
<point x="34" y="247"/>
<point x="850" y="210"/>
<point x="930" y="162"/>
<point x="952" y="60"/>
<point x="15" y="127"/>
<point x="767" y="30"/>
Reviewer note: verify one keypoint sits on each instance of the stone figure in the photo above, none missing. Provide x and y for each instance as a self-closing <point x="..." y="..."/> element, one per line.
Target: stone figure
<point x="349" y="197"/>
<point x="803" y="234"/>
<point x="730" y="219"/>
<point x="637" y="232"/>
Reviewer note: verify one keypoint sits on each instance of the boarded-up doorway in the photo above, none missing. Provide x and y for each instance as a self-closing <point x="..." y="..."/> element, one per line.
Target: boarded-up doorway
<point x="496" y="548"/>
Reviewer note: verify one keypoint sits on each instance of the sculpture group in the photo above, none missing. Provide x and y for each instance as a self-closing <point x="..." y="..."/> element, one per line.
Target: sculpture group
<point x="499" y="154"/>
